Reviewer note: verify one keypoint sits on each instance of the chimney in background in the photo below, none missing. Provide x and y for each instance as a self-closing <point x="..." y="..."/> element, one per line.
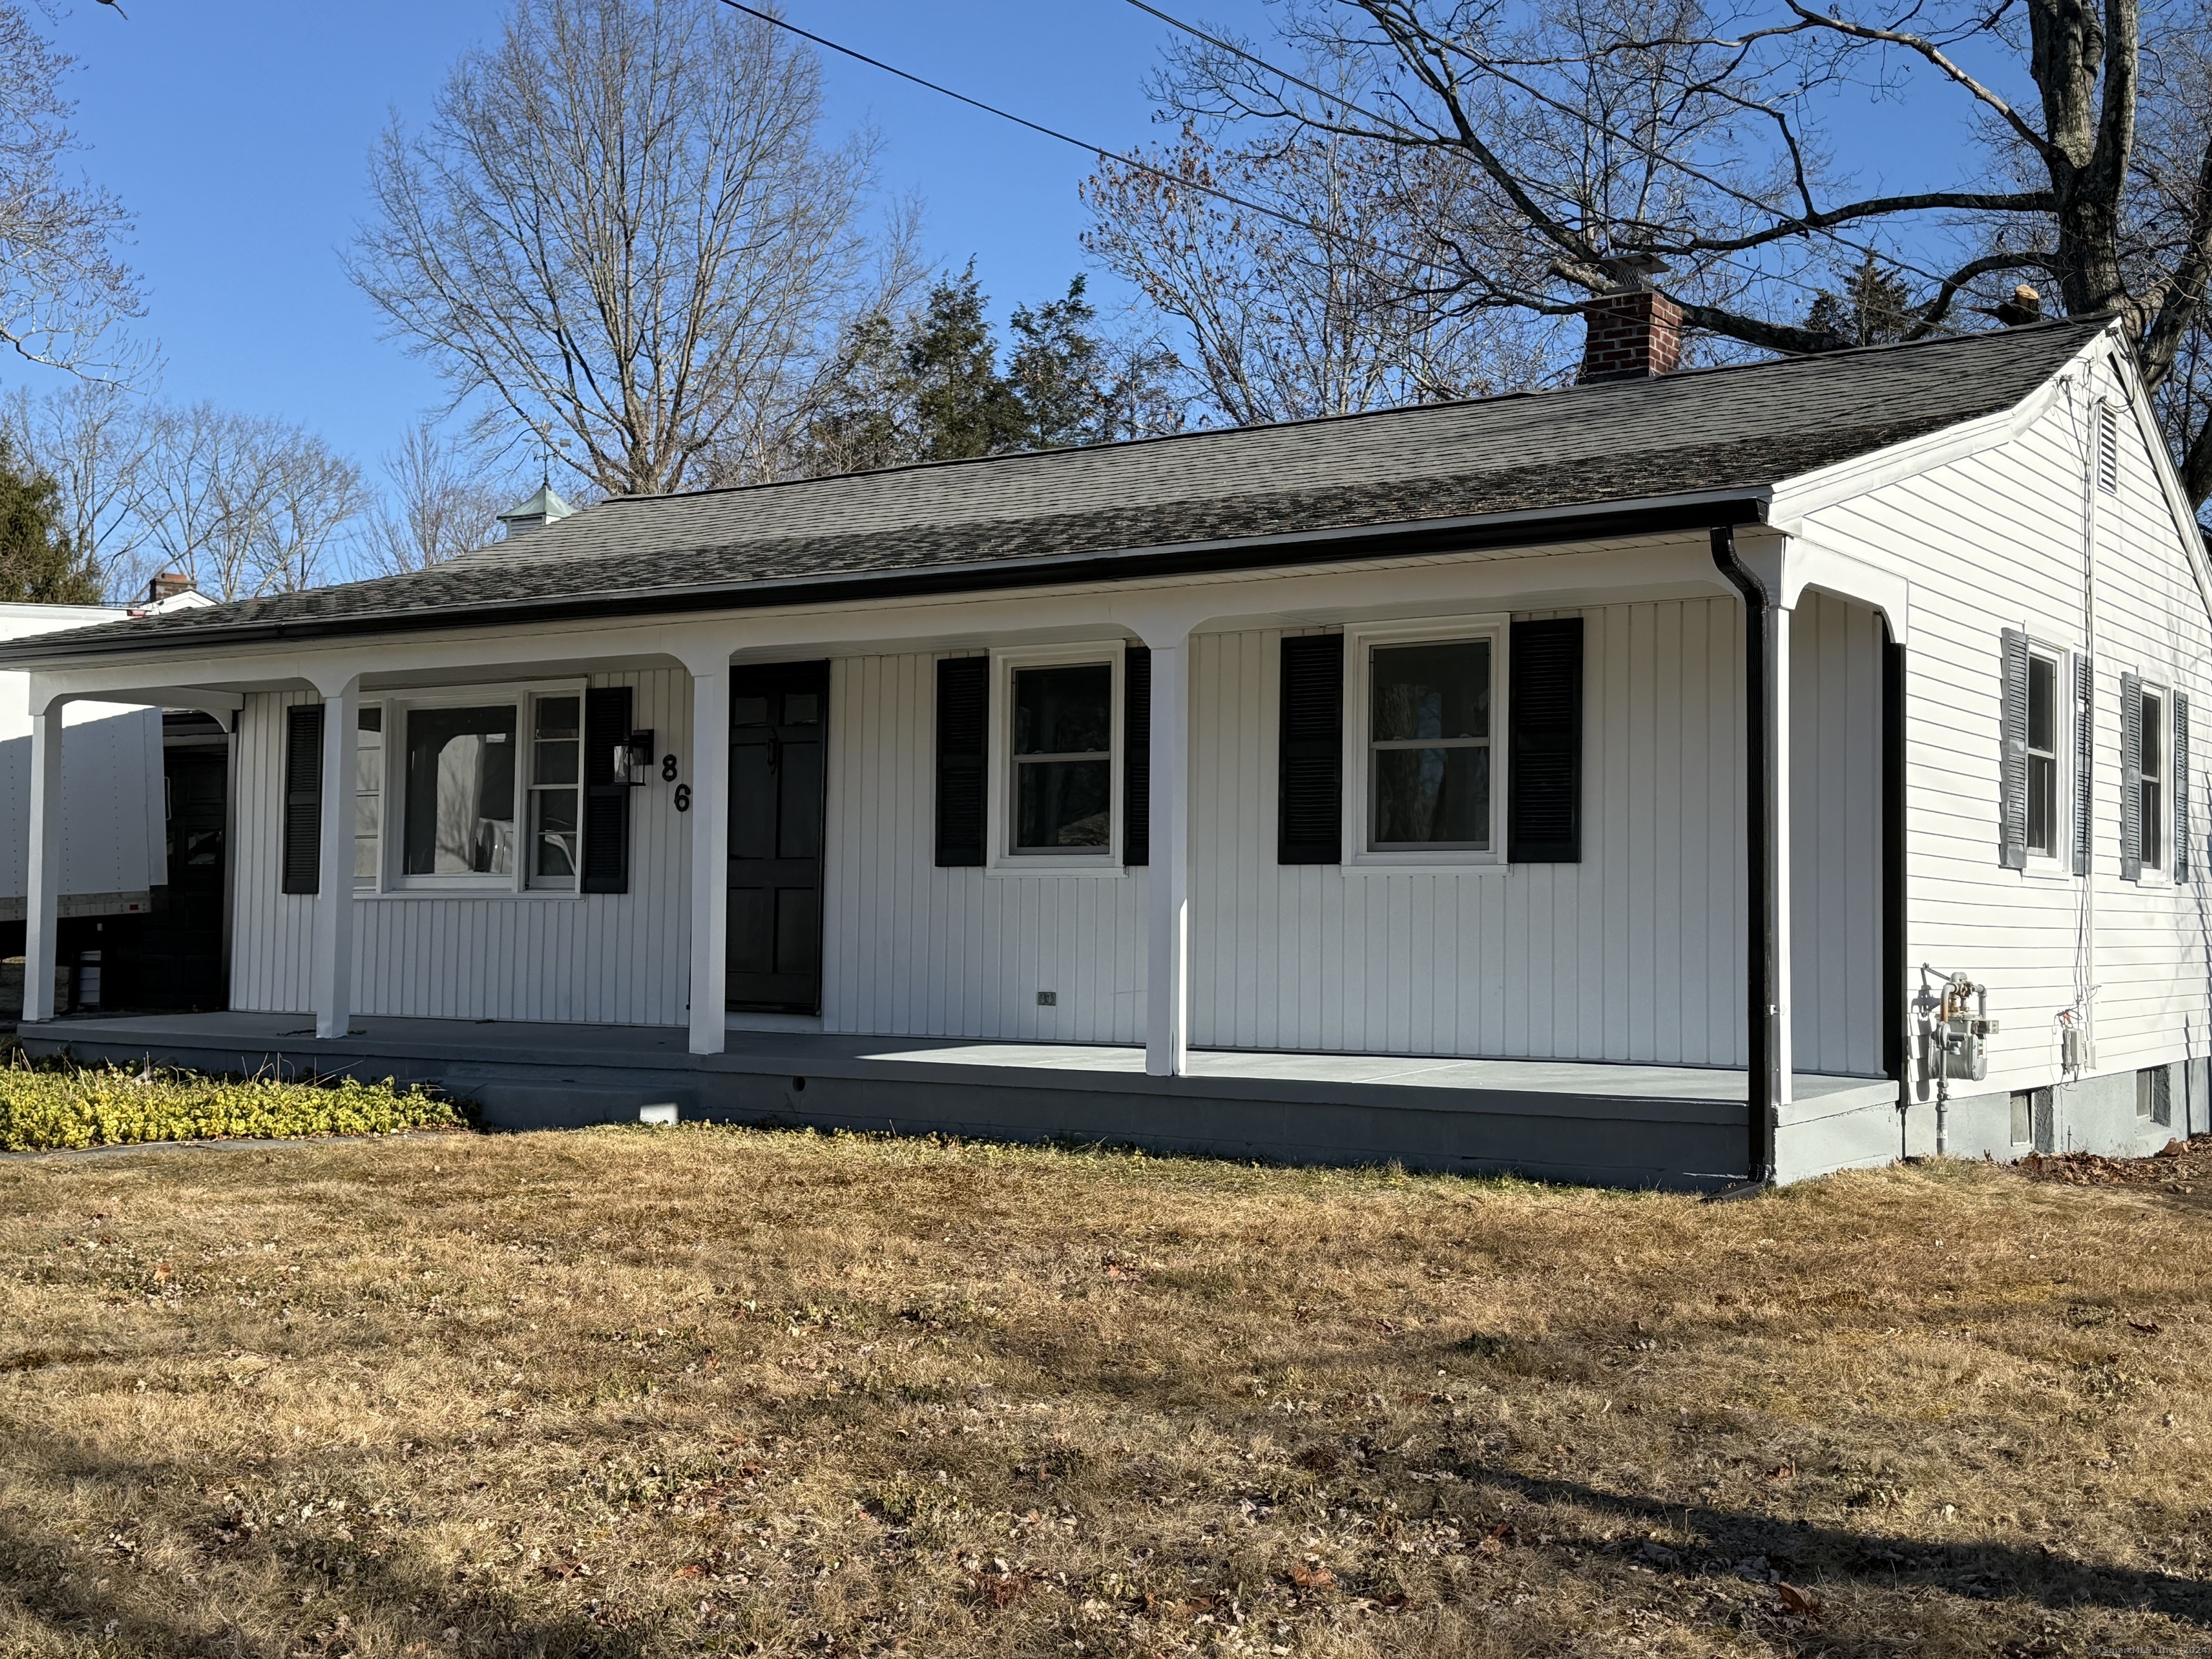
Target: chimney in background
<point x="1630" y="337"/>
<point x="167" y="586"/>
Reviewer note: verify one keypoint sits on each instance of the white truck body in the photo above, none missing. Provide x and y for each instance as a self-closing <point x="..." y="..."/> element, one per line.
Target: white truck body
<point x="111" y="787"/>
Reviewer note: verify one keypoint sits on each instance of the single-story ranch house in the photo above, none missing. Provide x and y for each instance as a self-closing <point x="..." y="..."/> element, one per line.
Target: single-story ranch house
<point x="1678" y="778"/>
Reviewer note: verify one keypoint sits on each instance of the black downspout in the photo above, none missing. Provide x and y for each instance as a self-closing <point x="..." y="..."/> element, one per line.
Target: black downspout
<point x="1896" y="1025"/>
<point x="1760" y="1102"/>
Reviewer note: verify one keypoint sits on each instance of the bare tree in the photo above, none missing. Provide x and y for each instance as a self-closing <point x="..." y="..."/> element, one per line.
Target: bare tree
<point x="1616" y="146"/>
<point x="1323" y="303"/>
<point x="64" y="290"/>
<point x="245" y="505"/>
<point x="91" y="437"/>
<point x="444" y="505"/>
<point x="621" y="223"/>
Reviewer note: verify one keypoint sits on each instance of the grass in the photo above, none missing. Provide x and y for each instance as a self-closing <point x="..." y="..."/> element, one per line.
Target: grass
<point x="630" y="1393"/>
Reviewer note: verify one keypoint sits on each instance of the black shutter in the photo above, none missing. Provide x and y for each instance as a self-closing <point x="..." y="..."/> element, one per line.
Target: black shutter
<point x="606" y="799"/>
<point x="1309" y="798"/>
<point x="1544" y="764"/>
<point x="2012" y="755"/>
<point x="1136" y="737"/>
<point x="963" y="719"/>
<point x="2085" y="757"/>
<point x="2180" y="786"/>
<point x="2130" y="778"/>
<point x="303" y="798"/>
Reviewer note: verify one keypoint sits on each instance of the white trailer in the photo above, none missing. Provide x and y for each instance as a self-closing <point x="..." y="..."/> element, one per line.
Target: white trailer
<point x="111" y="787"/>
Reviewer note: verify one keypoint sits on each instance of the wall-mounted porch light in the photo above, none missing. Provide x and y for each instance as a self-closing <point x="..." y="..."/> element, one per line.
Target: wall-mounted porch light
<point x="633" y="760"/>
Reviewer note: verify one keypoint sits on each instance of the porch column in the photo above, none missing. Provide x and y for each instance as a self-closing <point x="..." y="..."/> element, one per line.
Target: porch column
<point x="1167" y="981"/>
<point x="45" y="871"/>
<point x="710" y="855"/>
<point x="331" y="969"/>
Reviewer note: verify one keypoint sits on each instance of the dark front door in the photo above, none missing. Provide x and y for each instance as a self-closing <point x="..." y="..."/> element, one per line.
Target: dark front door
<point x="778" y="719"/>
<point x="177" y="959"/>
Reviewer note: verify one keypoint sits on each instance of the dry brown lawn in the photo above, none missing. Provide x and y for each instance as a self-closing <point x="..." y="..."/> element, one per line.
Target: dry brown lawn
<point x="632" y="1393"/>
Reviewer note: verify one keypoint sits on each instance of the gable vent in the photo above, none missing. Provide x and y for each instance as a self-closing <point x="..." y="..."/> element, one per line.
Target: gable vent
<point x="2108" y="449"/>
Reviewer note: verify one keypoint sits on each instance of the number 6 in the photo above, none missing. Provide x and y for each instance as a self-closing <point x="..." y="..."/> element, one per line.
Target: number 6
<point x="683" y="797"/>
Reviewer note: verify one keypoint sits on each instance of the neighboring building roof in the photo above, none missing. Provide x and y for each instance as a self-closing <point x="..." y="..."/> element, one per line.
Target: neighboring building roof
<point x="1113" y="509"/>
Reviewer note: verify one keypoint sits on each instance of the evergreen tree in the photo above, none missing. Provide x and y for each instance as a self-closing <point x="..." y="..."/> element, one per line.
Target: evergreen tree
<point x="40" y="561"/>
<point x="1875" y="308"/>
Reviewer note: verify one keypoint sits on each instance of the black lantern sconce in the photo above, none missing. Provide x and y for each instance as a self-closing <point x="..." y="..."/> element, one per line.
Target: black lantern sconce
<point x="633" y="760"/>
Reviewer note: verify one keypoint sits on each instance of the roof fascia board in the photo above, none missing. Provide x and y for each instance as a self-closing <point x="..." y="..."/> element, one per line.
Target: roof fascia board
<point x="1797" y="498"/>
<point x="1534" y="529"/>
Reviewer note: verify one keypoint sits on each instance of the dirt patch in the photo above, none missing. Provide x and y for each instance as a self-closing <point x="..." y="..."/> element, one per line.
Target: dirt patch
<point x="2178" y="1166"/>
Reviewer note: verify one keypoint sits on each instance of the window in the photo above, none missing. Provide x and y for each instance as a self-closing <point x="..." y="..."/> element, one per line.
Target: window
<point x="2152" y="788"/>
<point x="2154" y="1095"/>
<point x="2042" y="827"/>
<point x="1063" y="760"/>
<point x="1425" y="723"/>
<point x="556" y="776"/>
<point x="369" y="798"/>
<point x="460" y="791"/>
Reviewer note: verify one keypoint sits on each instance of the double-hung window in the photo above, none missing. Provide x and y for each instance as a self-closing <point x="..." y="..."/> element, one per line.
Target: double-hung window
<point x="475" y="791"/>
<point x="1425" y="723"/>
<point x="2045" y="836"/>
<point x="1057" y="759"/>
<point x="2151" y="790"/>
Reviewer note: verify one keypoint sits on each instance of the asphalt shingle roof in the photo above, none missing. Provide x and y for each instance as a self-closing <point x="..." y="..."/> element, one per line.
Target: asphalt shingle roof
<point x="1737" y="430"/>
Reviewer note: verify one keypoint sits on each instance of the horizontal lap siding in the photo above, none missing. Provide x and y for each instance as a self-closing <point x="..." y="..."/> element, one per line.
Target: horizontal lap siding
<point x="1995" y="541"/>
<point x="1635" y="954"/>
<point x="601" y="959"/>
<point x="911" y="950"/>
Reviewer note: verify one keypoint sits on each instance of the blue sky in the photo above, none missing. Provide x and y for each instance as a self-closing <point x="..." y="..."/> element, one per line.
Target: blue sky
<point x="237" y="132"/>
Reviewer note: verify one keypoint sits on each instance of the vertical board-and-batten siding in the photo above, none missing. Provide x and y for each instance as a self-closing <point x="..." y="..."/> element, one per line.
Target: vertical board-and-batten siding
<point x="911" y="950"/>
<point x="1635" y="954"/>
<point x="1992" y="542"/>
<point x="600" y="959"/>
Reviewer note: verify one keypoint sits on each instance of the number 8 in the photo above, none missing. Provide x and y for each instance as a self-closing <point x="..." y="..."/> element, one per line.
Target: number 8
<point x="668" y="768"/>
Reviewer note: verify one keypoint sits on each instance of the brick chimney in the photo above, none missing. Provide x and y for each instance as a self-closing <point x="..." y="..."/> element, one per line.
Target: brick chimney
<point x="1632" y="337"/>
<point x="167" y="586"/>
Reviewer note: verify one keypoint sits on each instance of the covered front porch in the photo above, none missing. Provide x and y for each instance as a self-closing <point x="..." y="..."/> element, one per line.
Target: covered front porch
<point x="1672" y="1127"/>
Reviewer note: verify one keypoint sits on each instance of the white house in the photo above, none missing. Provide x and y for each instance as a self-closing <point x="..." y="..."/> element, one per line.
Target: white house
<point x="1574" y="782"/>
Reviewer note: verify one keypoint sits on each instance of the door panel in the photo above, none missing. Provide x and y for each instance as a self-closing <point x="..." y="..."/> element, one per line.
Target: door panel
<point x="777" y="730"/>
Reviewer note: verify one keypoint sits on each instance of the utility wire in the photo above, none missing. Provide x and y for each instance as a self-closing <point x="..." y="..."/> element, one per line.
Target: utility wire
<point x="1178" y="180"/>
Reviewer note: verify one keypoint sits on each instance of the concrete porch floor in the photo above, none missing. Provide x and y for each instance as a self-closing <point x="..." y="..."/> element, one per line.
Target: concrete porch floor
<point x="1572" y="1121"/>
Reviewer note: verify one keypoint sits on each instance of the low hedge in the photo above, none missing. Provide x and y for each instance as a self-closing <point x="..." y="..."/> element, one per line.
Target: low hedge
<point x="45" y="1107"/>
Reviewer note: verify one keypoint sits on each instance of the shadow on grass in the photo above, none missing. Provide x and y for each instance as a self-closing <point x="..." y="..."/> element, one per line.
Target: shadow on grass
<point x="247" y="1596"/>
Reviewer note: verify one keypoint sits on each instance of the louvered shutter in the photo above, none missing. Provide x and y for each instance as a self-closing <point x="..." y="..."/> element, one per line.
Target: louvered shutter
<point x="2180" y="787"/>
<point x="1309" y="786"/>
<point x="303" y="799"/>
<point x="2130" y="778"/>
<point x="2085" y="758"/>
<point x="2012" y="811"/>
<point x="964" y="711"/>
<point x="1137" y="768"/>
<point x="606" y="798"/>
<point x="1544" y="764"/>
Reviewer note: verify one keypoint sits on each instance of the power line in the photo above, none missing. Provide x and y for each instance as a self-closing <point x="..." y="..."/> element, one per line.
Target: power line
<point x="1180" y="181"/>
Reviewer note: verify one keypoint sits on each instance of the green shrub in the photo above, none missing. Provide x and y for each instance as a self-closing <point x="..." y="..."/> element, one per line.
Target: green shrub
<point x="58" y="1104"/>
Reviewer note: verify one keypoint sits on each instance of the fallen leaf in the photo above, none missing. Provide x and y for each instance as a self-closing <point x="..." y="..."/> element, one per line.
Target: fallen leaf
<point x="1314" y="1577"/>
<point x="1495" y="1541"/>
<point x="1797" y="1601"/>
<point x="693" y="1570"/>
<point x="2149" y="1328"/>
<point x="563" y="1570"/>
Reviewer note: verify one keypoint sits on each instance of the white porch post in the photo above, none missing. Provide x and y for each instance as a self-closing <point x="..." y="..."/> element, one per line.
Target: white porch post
<point x="1167" y="982"/>
<point x="46" y="862"/>
<point x="331" y="970"/>
<point x="710" y="855"/>
<point x="1779" y="618"/>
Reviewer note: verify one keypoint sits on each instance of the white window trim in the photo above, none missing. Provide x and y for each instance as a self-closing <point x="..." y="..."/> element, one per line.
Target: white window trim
<point x="1003" y="859"/>
<point x="391" y="883"/>
<point x="2162" y="873"/>
<point x="2058" y="865"/>
<point x="1360" y="642"/>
